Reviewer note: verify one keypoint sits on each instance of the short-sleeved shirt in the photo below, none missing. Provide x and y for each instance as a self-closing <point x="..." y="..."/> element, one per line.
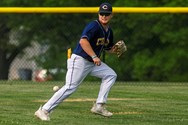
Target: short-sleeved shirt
<point x="98" y="38"/>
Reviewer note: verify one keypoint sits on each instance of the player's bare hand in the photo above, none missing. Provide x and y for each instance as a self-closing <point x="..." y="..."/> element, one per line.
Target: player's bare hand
<point x="97" y="61"/>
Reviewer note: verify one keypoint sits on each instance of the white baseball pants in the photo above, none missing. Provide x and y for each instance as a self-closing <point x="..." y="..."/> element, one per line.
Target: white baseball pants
<point x="78" y="69"/>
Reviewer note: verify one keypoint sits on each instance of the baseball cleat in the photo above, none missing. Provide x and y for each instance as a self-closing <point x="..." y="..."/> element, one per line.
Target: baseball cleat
<point x="42" y="114"/>
<point x="101" y="111"/>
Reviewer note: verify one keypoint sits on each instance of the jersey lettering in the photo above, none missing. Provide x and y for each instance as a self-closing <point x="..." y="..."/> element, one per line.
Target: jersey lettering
<point x="102" y="41"/>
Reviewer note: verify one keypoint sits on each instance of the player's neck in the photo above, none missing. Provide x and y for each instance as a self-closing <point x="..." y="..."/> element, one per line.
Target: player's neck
<point x="105" y="26"/>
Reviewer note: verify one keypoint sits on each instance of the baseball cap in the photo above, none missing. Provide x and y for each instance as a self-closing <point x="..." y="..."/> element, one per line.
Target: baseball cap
<point x="105" y="8"/>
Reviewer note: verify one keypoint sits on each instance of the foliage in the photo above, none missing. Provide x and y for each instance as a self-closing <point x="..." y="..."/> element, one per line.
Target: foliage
<point x="157" y="43"/>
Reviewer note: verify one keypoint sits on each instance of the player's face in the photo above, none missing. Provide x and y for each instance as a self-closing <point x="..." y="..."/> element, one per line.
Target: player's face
<point x="104" y="18"/>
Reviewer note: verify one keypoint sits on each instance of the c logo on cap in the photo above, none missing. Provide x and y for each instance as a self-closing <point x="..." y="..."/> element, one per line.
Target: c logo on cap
<point x="105" y="7"/>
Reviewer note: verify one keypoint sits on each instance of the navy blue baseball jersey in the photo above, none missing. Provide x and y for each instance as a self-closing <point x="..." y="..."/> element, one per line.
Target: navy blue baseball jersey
<point x="98" y="38"/>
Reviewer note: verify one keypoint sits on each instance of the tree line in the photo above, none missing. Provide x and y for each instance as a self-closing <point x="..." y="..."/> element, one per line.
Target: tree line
<point x="157" y="43"/>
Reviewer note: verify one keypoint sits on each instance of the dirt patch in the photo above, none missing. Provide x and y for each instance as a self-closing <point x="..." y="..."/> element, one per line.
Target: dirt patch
<point x="127" y="113"/>
<point x="92" y="99"/>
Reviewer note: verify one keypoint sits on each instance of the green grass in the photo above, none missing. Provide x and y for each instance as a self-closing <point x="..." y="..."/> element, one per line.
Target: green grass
<point x="141" y="104"/>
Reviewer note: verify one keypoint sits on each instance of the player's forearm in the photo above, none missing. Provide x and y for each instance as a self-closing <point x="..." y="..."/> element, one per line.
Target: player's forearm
<point x="87" y="47"/>
<point x="110" y="51"/>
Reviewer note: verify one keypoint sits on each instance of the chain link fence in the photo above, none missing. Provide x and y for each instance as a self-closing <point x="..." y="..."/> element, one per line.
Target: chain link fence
<point x="45" y="57"/>
<point x="48" y="36"/>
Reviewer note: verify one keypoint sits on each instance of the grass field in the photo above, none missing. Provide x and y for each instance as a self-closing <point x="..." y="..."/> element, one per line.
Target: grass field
<point x="131" y="103"/>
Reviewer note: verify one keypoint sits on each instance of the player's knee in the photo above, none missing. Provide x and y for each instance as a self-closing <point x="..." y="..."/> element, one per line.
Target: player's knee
<point x="71" y="87"/>
<point x="113" y="75"/>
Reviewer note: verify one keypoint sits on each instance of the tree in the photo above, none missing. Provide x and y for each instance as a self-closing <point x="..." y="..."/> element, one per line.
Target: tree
<point x="157" y="44"/>
<point x="9" y="49"/>
<point x="4" y="63"/>
<point x="46" y="29"/>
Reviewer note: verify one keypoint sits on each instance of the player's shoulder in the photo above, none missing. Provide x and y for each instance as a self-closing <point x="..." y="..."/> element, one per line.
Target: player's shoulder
<point x="93" y="24"/>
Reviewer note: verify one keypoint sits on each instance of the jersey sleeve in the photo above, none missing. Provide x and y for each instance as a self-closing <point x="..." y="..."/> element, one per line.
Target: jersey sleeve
<point x="89" y="31"/>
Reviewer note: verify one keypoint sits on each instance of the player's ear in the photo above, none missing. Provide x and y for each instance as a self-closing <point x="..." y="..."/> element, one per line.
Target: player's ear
<point x="111" y="15"/>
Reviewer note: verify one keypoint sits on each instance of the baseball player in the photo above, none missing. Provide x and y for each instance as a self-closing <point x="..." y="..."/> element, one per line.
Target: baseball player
<point x="85" y="60"/>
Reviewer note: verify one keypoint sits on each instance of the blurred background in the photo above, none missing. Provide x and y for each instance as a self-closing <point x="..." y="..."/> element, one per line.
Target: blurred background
<point x="35" y="45"/>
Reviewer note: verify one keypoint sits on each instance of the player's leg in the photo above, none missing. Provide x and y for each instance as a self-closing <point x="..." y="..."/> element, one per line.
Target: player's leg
<point x="77" y="71"/>
<point x="108" y="77"/>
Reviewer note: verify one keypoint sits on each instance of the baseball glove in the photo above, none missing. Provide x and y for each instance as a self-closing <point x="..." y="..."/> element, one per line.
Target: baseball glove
<point x="119" y="48"/>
